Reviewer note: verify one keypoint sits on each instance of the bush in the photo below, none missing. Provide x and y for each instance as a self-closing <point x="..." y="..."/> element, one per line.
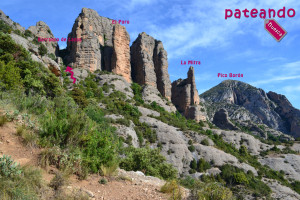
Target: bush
<point x="5" y="28"/>
<point x="52" y="56"/>
<point x="79" y="97"/>
<point x="191" y="148"/>
<point x="103" y="181"/>
<point x="8" y="168"/>
<point x="28" y="33"/>
<point x="148" y="161"/>
<point x="202" y="165"/>
<point x="240" y="178"/>
<point x="205" y="142"/>
<point x="212" y="191"/>
<point x="58" y="181"/>
<point x="193" y="164"/>
<point x="42" y="50"/>
<point x="137" y="91"/>
<point x="10" y="77"/>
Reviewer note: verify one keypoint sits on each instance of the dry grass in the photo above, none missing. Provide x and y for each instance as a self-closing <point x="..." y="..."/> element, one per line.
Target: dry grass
<point x="173" y="188"/>
<point x="3" y="120"/>
<point x="29" y="137"/>
<point x="108" y="171"/>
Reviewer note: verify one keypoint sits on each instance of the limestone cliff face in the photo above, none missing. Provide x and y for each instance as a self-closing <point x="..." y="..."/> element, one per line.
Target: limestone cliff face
<point x="288" y="113"/>
<point x="104" y="46"/>
<point x="149" y="64"/>
<point x="42" y="30"/>
<point x="185" y="97"/>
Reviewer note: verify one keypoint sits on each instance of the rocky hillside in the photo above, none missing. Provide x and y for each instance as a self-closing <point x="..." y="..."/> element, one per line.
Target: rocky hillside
<point x="247" y="103"/>
<point x="124" y="112"/>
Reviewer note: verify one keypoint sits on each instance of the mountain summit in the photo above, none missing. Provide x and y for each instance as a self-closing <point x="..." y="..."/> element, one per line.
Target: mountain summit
<point x="245" y="102"/>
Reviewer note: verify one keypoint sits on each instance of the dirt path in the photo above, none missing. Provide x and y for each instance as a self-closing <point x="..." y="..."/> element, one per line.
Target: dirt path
<point x="115" y="189"/>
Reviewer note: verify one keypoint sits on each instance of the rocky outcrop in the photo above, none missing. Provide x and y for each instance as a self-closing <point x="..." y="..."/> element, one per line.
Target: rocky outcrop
<point x="104" y="46"/>
<point x="151" y="94"/>
<point x="174" y="146"/>
<point x="221" y="120"/>
<point x="236" y="138"/>
<point x="6" y="19"/>
<point x="42" y="30"/>
<point x="289" y="163"/>
<point x="45" y="60"/>
<point x="185" y="97"/>
<point x="280" y="191"/>
<point x="149" y="64"/>
<point x="288" y="113"/>
<point x="247" y="103"/>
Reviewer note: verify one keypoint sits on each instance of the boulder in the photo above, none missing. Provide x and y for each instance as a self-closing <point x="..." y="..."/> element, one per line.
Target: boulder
<point x="221" y="120"/>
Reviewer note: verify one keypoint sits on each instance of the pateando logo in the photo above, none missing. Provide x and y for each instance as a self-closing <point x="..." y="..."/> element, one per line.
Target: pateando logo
<point x="274" y="29"/>
<point x="69" y="69"/>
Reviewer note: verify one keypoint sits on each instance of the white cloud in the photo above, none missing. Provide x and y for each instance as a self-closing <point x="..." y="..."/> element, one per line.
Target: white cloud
<point x="276" y="79"/>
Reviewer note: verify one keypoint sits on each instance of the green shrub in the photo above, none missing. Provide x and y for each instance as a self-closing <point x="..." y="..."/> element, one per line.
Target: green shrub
<point x="8" y="168"/>
<point x="212" y="191"/>
<point x="202" y="165"/>
<point x="235" y="176"/>
<point x="148" y="161"/>
<point x="79" y="97"/>
<point x="205" y="142"/>
<point x="191" y="148"/>
<point x="137" y="91"/>
<point x="5" y="28"/>
<point x="240" y="178"/>
<point x="42" y="50"/>
<point x="193" y="164"/>
<point x="123" y="121"/>
<point x="10" y="76"/>
<point x="103" y="181"/>
<point x="52" y="56"/>
<point x="28" y="33"/>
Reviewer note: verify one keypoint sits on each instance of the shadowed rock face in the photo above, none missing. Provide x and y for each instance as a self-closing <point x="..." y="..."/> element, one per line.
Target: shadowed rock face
<point x="150" y="64"/>
<point x="185" y="97"/>
<point x="288" y="113"/>
<point x="104" y="46"/>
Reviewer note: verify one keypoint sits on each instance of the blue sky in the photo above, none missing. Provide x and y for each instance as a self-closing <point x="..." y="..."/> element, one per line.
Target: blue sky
<point x="193" y="30"/>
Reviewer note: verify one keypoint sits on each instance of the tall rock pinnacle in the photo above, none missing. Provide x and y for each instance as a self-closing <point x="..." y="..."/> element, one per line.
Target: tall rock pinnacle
<point x="185" y="97"/>
<point x="104" y="46"/>
<point x="150" y="64"/>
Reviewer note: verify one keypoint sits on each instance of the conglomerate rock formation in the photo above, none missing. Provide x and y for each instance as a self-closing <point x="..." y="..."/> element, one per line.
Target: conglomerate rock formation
<point x="104" y="46"/>
<point x="150" y="64"/>
<point x="186" y="99"/>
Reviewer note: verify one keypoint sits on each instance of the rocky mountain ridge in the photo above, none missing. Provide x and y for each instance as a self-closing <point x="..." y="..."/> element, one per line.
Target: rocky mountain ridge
<point x="247" y="103"/>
